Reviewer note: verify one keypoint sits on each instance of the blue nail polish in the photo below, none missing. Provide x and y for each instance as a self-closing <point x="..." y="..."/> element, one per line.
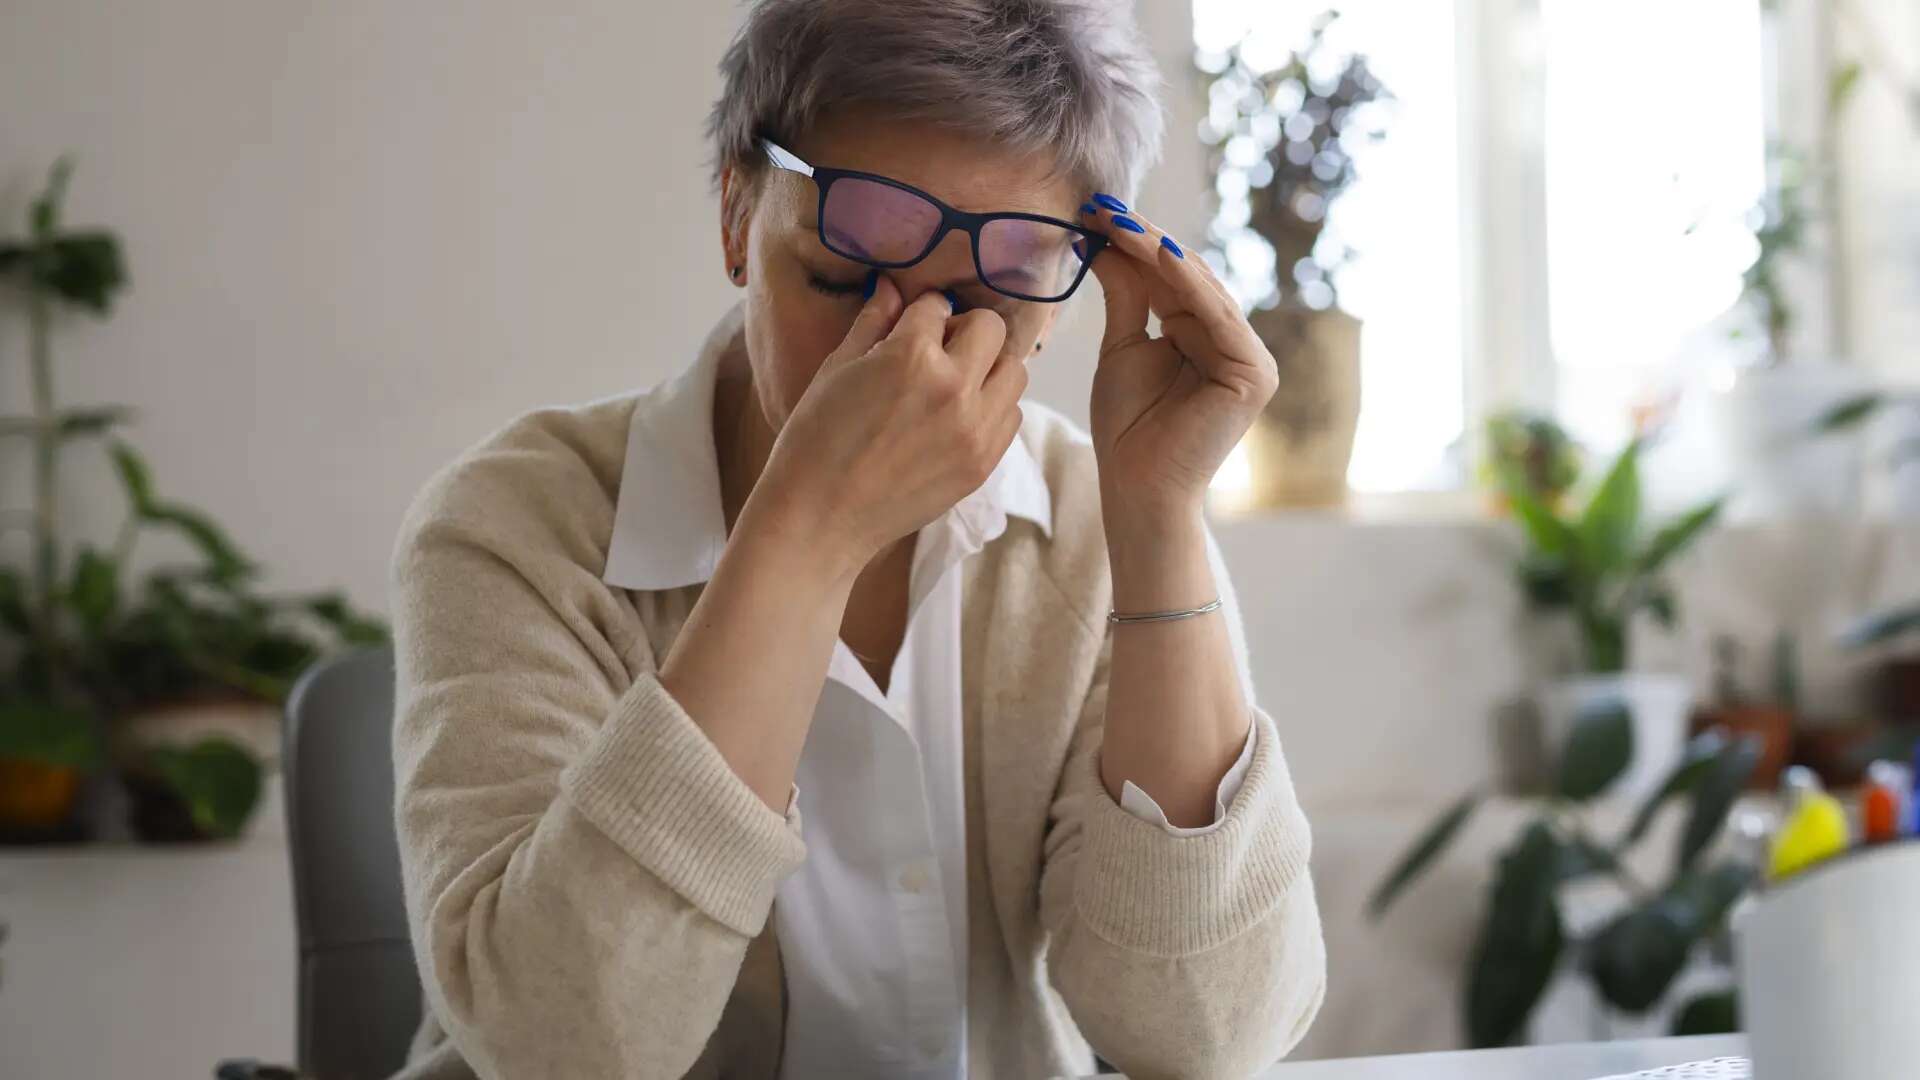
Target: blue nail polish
<point x="1088" y="208"/>
<point x="867" y="286"/>
<point x="1129" y="224"/>
<point x="1110" y="202"/>
<point x="1167" y="242"/>
<point x="953" y="298"/>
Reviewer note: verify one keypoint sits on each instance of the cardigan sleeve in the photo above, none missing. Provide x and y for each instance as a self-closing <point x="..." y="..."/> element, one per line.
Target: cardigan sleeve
<point x="1183" y="955"/>
<point x="583" y="871"/>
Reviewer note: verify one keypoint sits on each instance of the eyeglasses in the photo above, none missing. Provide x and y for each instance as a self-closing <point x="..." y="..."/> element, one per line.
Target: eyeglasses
<point x="885" y="223"/>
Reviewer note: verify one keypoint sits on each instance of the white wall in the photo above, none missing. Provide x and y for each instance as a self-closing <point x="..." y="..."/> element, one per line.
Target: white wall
<point x="364" y="234"/>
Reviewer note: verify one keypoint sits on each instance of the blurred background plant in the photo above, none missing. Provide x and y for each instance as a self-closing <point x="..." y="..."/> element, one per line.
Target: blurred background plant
<point x="1531" y="451"/>
<point x="87" y="642"/>
<point x="1635" y="955"/>
<point x="1284" y="141"/>
<point x="1600" y="564"/>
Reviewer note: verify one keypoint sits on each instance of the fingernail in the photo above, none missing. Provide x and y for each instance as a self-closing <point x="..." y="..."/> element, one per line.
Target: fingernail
<point x="1110" y="202"/>
<point x="872" y="282"/>
<point x="953" y="298"/>
<point x="1088" y="208"/>
<point x="1128" y="224"/>
<point x="1167" y="242"/>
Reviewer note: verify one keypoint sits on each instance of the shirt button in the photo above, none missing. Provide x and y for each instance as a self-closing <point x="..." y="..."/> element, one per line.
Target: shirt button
<point x="913" y="879"/>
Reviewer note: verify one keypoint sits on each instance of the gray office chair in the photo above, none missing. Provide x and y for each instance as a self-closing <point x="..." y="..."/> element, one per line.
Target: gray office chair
<point x="359" y="992"/>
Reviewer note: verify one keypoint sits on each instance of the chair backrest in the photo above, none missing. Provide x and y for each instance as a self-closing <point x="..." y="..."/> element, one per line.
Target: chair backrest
<point x="359" y="992"/>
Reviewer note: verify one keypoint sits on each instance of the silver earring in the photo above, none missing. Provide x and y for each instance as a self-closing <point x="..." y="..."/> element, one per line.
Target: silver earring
<point x="736" y="271"/>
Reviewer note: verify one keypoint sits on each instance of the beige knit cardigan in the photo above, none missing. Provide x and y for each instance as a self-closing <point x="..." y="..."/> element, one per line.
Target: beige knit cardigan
<point x="588" y="883"/>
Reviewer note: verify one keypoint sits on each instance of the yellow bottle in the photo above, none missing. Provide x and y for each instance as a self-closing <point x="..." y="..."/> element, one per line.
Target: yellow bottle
<point x="1815" y="828"/>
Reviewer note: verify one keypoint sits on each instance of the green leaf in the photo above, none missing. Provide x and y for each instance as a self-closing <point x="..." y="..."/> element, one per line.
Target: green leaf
<point x="13" y="601"/>
<point x="1716" y="1013"/>
<point x="1635" y="957"/>
<point x="352" y="627"/>
<point x="217" y="779"/>
<point x="1424" y="850"/>
<point x="46" y="733"/>
<point x="1581" y="856"/>
<point x="84" y="269"/>
<point x="1520" y="941"/>
<point x="1545" y="580"/>
<point x="1881" y="628"/>
<point x="1676" y="535"/>
<point x="43" y="214"/>
<point x="1714" y="795"/>
<point x="1545" y="531"/>
<point x="77" y="423"/>
<point x="1702" y="751"/>
<point x="225" y="564"/>
<point x="1841" y="84"/>
<point x="1598" y="750"/>
<point x="1711" y="893"/>
<point x="1848" y="413"/>
<point x="1612" y="516"/>
<point x="1661" y="605"/>
<point x="95" y="590"/>
<point x="135" y="478"/>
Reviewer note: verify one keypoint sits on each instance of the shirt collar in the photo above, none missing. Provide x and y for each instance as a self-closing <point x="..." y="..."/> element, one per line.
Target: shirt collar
<point x="668" y="525"/>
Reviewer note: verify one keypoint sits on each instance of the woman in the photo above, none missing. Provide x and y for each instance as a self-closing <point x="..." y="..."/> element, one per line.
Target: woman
<point x="836" y="568"/>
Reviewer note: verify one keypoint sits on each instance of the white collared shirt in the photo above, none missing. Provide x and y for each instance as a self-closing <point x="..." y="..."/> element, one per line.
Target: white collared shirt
<point x="873" y="926"/>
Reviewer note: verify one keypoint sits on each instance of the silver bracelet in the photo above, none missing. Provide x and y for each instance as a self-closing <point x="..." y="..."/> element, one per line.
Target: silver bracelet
<point x="1163" y="616"/>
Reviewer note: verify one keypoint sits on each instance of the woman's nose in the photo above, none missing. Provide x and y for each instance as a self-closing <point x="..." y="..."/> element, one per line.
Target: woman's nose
<point x="948" y="266"/>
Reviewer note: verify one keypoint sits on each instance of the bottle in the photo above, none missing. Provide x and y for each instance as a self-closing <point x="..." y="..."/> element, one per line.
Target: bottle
<point x="1814" y="829"/>
<point x="1881" y="803"/>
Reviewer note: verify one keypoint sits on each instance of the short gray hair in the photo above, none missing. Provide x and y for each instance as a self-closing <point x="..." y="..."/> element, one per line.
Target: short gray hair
<point x="1070" y="79"/>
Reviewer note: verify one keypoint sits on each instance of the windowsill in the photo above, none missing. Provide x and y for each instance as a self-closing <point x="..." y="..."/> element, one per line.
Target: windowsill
<point x="1400" y="508"/>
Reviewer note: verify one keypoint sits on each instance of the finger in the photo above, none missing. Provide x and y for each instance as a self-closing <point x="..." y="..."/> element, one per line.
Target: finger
<point x="875" y="321"/>
<point x="1126" y="293"/>
<point x="1185" y="287"/>
<point x="1152" y="246"/>
<point x="975" y="342"/>
<point x="925" y="319"/>
<point x="1253" y="377"/>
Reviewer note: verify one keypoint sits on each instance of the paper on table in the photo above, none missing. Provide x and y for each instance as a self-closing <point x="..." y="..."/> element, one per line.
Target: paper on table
<point x="1726" y="1068"/>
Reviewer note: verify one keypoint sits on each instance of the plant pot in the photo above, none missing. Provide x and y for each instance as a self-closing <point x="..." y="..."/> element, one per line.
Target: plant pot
<point x="156" y="811"/>
<point x="39" y="803"/>
<point x="1300" y="445"/>
<point x="1772" y="725"/>
<point x="1838" y="755"/>
<point x="1658" y="703"/>
<point x="1781" y="467"/>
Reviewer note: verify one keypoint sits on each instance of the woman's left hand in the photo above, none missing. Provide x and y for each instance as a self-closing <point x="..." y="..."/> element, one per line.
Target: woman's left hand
<point x="1167" y="410"/>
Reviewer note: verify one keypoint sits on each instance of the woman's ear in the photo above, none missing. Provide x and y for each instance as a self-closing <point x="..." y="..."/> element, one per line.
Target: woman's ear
<point x="736" y="216"/>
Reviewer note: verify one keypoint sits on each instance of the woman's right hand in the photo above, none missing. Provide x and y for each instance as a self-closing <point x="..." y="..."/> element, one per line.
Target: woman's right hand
<point x="907" y="417"/>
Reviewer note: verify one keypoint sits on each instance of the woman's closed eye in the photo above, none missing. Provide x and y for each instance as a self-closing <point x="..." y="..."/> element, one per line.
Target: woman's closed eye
<point x="831" y="287"/>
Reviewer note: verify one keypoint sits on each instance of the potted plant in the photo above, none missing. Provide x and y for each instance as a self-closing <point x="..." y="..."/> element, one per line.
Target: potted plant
<point x="1769" y="718"/>
<point x="1532" y="451"/>
<point x="1304" y="133"/>
<point x="1603" y="567"/>
<point x="1633" y="956"/>
<point x="87" y="646"/>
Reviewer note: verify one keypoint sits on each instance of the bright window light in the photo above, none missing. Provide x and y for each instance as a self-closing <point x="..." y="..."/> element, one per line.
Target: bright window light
<point x="1401" y="217"/>
<point x="1655" y="153"/>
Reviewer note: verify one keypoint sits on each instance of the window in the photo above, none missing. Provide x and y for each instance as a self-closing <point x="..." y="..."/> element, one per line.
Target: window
<point x="1556" y="218"/>
<point x="1652" y="166"/>
<point x="1400" y="218"/>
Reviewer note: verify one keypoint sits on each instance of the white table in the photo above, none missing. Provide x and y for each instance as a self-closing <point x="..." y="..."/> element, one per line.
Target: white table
<point x="1565" y="1061"/>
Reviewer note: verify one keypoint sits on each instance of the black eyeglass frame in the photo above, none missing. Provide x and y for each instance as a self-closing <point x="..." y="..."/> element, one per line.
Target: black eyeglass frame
<point x="950" y="219"/>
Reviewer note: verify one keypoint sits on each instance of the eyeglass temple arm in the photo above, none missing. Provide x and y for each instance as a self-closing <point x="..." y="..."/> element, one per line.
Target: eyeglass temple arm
<point x="783" y="158"/>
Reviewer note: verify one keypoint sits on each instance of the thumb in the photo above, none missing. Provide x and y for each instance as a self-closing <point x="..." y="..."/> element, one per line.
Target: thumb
<point x="1126" y="294"/>
<point x="874" y="322"/>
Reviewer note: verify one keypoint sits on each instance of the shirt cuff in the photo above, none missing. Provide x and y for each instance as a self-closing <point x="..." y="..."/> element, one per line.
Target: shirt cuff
<point x="1142" y="805"/>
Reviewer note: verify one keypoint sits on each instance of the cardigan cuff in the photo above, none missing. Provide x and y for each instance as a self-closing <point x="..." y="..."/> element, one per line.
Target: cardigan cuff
<point x="1150" y="891"/>
<point x="657" y="786"/>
